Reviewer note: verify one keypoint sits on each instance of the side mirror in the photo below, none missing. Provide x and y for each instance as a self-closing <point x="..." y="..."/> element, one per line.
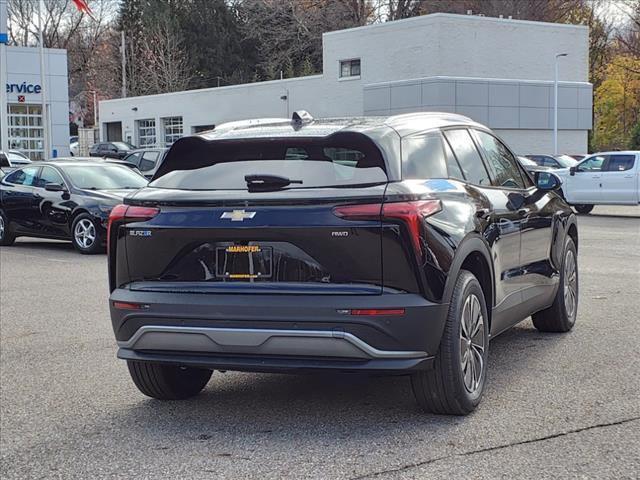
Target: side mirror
<point x="547" y="181"/>
<point x="572" y="171"/>
<point x="54" y="187"/>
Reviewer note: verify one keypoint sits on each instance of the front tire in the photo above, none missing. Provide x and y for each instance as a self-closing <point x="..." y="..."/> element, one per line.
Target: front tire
<point x="561" y="315"/>
<point x="168" y="382"/>
<point x="583" y="209"/>
<point x="6" y="237"/>
<point x="86" y="235"/>
<point x="456" y="383"/>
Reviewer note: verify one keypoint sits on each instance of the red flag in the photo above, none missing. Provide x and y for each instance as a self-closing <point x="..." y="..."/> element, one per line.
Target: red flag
<point x="83" y="7"/>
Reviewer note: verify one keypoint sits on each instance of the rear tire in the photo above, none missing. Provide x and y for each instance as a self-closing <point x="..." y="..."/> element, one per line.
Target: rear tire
<point x="453" y="386"/>
<point x="168" y="382"/>
<point x="561" y="315"/>
<point x="583" y="209"/>
<point x="6" y="237"/>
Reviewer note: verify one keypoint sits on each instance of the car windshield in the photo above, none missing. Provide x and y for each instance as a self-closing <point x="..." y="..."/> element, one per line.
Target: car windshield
<point x="104" y="177"/>
<point x="123" y="146"/>
<point x="566" y="161"/>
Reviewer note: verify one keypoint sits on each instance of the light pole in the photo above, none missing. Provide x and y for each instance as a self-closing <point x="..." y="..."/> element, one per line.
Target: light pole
<point x="555" y="104"/>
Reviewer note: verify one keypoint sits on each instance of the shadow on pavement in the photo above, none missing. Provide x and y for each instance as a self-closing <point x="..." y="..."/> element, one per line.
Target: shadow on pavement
<point x="327" y="406"/>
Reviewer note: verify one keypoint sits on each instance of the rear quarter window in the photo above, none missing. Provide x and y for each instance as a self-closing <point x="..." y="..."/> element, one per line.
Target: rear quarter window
<point x="424" y="157"/>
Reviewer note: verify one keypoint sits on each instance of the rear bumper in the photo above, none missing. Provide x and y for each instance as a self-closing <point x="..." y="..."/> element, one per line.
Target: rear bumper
<point x="277" y="332"/>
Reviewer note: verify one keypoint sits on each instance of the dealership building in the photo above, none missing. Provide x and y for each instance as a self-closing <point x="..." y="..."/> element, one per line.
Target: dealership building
<point x="497" y="71"/>
<point x="23" y="125"/>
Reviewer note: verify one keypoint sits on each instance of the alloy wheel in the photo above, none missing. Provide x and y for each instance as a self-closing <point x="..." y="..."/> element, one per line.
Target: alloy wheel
<point x="570" y="284"/>
<point x="85" y="233"/>
<point x="472" y="343"/>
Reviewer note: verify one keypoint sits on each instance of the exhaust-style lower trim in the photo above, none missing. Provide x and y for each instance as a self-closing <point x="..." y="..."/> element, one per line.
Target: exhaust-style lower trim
<point x="307" y="343"/>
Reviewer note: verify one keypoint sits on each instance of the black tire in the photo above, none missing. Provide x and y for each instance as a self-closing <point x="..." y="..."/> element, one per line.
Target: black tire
<point x="560" y="317"/>
<point x="583" y="209"/>
<point x="6" y="237"/>
<point x="96" y="245"/>
<point x="442" y="390"/>
<point x="168" y="382"/>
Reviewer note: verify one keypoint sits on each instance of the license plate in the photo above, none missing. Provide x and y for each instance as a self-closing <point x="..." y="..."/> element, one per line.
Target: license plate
<point x="244" y="262"/>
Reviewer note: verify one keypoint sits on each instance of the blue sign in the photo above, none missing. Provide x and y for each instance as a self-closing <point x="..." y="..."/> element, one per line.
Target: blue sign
<point x="23" y="87"/>
<point x="4" y="38"/>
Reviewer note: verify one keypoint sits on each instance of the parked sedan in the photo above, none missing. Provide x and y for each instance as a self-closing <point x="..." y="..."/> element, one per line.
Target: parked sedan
<point x="148" y="160"/>
<point x="554" y="161"/>
<point x="117" y="150"/>
<point x="399" y="245"/>
<point x="63" y="200"/>
<point x="531" y="166"/>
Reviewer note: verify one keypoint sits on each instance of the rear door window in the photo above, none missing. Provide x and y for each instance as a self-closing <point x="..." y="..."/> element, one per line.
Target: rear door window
<point x="502" y="164"/>
<point x="468" y="157"/>
<point x="26" y="177"/>
<point x="424" y="157"/>
<point x="620" y="162"/>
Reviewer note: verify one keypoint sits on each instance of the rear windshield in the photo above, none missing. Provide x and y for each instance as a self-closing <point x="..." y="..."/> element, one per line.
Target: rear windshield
<point x="307" y="163"/>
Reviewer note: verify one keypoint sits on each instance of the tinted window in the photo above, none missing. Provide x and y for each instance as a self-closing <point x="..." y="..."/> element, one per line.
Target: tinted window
<point x="550" y="162"/>
<point x="26" y="176"/>
<point x="423" y="157"/>
<point x="502" y="164"/>
<point x="4" y="161"/>
<point x="49" y="175"/>
<point x="620" y="163"/>
<point x="134" y="158"/>
<point x="104" y="177"/>
<point x="452" y="164"/>
<point x="148" y="161"/>
<point x="468" y="157"/>
<point x="592" y="164"/>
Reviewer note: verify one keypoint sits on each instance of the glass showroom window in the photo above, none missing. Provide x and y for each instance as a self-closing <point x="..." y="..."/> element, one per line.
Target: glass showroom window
<point x="350" y="68"/>
<point x="25" y="130"/>
<point x="172" y="129"/>
<point x="147" y="133"/>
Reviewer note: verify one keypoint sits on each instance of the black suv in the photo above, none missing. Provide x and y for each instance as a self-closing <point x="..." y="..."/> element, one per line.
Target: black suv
<point x="117" y="150"/>
<point x="396" y="245"/>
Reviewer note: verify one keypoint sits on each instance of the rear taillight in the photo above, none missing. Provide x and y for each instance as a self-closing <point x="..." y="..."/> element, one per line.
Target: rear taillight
<point x="410" y="213"/>
<point x="128" y="213"/>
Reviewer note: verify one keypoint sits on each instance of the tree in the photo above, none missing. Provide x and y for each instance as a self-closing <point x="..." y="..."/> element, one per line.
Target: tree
<point x="617" y="103"/>
<point x="634" y="143"/>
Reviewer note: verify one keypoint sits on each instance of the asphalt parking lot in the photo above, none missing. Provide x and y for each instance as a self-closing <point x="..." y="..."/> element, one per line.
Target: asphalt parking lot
<point x="556" y="405"/>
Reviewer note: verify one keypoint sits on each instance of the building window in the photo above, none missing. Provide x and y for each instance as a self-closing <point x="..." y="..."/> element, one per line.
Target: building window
<point x="147" y="133"/>
<point x="25" y="130"/>
<point x="350" y="68"/>
<point x="172" y="129"/>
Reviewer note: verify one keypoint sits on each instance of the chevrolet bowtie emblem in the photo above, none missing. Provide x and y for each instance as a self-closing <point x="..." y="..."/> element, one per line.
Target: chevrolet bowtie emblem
<point x="238" y="215"/>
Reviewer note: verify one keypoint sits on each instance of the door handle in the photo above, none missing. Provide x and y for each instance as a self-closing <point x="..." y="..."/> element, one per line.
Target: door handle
<point x="523" y="211"/>
<point x="628" y="176"/>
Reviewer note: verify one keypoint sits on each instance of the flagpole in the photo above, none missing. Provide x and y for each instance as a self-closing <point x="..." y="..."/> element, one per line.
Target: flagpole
<point x="43" y="87"/>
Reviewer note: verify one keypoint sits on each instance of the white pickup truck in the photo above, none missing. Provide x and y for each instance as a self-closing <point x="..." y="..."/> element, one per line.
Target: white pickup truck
<point x="607" y="178"/>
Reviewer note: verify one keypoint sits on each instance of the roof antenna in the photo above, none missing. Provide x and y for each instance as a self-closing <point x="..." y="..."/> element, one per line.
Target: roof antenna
<point x="300" y="117"/>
